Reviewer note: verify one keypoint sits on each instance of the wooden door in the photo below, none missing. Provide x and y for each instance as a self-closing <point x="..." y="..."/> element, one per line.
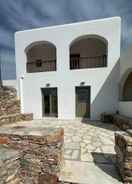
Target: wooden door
<point x="83" y="101"/>
<point x="50" y="105"/>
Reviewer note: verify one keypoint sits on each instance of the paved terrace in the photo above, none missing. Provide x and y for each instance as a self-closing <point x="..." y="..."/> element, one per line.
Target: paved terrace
<point x="88" y="150"/>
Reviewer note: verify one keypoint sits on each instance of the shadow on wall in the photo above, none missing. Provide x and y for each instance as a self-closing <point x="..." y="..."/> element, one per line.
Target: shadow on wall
<point x="122" y="84"/>
<point x="108" y="96"/>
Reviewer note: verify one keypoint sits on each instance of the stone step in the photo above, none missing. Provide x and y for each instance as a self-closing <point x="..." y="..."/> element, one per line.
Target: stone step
<point x="88" y="172"/>
<point x="12" y="118"/>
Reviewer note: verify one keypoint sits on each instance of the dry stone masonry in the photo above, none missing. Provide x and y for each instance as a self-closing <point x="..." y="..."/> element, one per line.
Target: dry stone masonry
<point x="7" y="119"/>
<point x="123" y="148"/>
<point x="122" y="122"/>
<point x="10" y="107"/>
<point x="123" y="144"/>
<point x="9" y="103"/>
<point x="9" y="166"/>
<point x="35" y="156"/>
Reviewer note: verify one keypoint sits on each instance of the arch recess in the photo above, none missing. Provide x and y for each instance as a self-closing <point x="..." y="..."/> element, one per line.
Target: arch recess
<point x="88" y="51"/>
<point x="41" y="57"/>
<point x="126" y="86"/>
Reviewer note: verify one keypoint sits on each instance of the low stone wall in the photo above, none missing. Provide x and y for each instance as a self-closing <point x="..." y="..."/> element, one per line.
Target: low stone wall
<point x="9" y="103"/>
<point x="123" y="148"/>
<point x="7" y="119"/>
<point x="38" y="155"/>
<point x="9" y="166"/>
<point x="122" y="122"/>
<point x="10" y="107"/>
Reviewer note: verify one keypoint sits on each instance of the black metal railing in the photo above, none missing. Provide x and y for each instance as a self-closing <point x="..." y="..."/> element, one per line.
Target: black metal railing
<point x="41" y="66"/>
<point x="88" y="62"/>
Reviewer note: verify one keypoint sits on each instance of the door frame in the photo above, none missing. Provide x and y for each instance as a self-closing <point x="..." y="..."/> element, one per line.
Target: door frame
<point x="43" y="105"/>
<point x="89" y="101"/>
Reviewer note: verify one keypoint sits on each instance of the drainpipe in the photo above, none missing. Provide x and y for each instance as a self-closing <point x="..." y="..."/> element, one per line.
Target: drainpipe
<point x="21" y="94"/>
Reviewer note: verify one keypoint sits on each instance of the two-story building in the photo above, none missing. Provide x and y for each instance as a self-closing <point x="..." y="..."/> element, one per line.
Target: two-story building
<point x="69" y="71"/>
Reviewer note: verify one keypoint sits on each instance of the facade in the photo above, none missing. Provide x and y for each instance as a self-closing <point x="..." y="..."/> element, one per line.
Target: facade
<point x="69" y="71"/>
<point x="125" y="103"/>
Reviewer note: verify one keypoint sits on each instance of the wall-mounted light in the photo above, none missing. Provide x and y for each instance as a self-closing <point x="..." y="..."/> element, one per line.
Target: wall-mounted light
<point x="82" y="83"/>
<point x="48" y="85"/>
<point x="22" y="77"/>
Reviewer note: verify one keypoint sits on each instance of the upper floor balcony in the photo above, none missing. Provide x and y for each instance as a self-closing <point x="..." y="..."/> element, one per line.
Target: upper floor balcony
<point x="88" y="52"/>
<point x="84" y="52"/>
<point x="41" y="57"/>
<point x="77" y="62"/>
<point x="41" y="66"/>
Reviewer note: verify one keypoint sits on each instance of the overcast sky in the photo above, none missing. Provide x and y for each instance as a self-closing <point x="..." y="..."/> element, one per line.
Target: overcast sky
<point x="18" y="15"/>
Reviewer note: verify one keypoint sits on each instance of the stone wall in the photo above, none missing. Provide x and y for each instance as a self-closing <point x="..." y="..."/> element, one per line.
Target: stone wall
<point x="34" y="159"/>
<point x="12" y="118"/>
<point x="119" y="120"/>
<point x="9" y="103"/>
<point x="122" y="122"/>
<point x="9" y="166"/>
<point x="10" y="107"/>
<point x="123" y="148"/>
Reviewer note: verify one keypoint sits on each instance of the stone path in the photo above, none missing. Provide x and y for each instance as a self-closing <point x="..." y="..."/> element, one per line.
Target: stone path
<point x="89" y="173"/>
<point x="91" y="142"/>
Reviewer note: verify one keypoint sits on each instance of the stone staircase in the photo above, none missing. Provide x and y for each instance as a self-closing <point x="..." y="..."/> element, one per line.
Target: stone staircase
<point x="10" y="107"/>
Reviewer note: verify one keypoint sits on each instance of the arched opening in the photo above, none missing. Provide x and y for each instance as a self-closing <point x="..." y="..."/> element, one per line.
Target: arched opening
<point x="88" y="52"/>
<point x="127" y="88"/>
<point x="41" y="57"/>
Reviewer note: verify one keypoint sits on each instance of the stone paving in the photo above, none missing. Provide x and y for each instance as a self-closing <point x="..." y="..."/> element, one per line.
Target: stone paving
<point x="84" y="141"/>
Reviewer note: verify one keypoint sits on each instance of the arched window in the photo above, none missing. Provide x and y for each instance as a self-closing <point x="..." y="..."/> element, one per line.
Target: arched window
<point x="88" y="52"/>
<point x="41" y="57"/>
<point x="127" y="89"/>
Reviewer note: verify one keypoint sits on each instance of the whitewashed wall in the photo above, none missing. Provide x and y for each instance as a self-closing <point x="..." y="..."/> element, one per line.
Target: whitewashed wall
<point x="125" y="108"/>
<point x="103" y="81"/>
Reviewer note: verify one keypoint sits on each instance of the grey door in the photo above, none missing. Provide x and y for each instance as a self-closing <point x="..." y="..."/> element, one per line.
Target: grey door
<point x="83" y="101"/>
<point x="49" y="99"/>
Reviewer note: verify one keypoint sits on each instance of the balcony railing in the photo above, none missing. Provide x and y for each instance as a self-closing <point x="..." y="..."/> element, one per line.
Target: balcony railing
<point x="41" y="66"/>
<point x="88" y="62"/>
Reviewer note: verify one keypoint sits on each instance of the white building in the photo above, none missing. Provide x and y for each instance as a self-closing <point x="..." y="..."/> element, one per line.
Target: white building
<point x="70" y="70"/>
<point x="125" y="104"/>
